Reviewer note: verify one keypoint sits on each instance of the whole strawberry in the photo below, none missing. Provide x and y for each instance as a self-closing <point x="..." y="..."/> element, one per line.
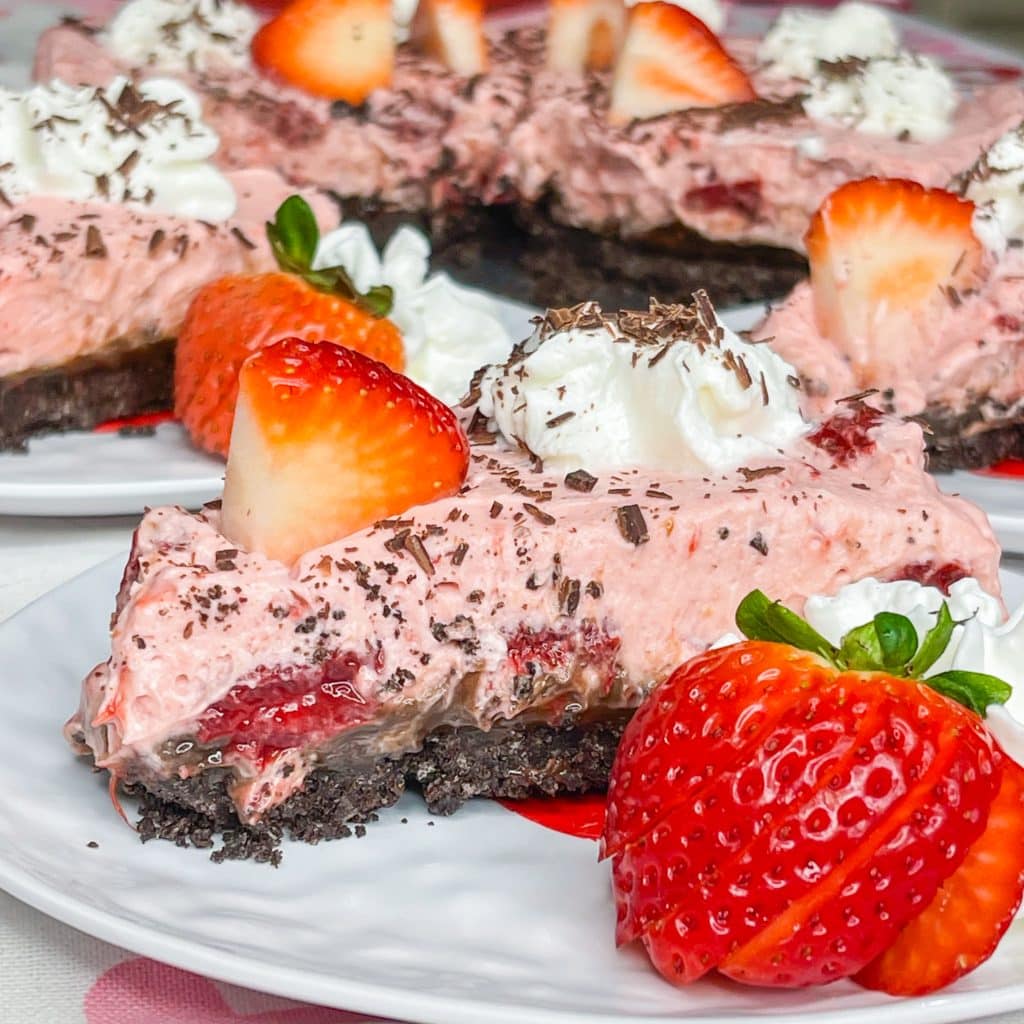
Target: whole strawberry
<point x="788" y="812"/>
<point x="235" y="316"/>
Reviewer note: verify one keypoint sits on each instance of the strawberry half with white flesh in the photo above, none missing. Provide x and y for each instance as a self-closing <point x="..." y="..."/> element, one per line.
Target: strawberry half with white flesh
<point x="452" y="31"/>
<point x="338" y="49"/>
<point x="671" y="60"/>
<point x="585" y="34"/>
<point x="881" y="251"/>
<point x="327" y="441"/>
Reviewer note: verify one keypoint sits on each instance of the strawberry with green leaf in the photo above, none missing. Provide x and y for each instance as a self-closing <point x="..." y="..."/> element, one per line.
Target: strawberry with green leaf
<point x="788" y="812"/>
<point x="235" y="316"/>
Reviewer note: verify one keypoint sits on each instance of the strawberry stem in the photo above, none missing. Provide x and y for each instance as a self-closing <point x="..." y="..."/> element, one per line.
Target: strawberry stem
<point x="294" y="235"/>
<point x="888" y="643"/>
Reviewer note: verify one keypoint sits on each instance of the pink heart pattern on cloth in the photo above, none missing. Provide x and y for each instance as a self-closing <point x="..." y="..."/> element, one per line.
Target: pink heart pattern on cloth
<point x="142" y="991"/>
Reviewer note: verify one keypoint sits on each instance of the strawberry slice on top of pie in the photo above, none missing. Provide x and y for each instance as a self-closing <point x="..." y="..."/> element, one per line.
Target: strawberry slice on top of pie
<point x="475" y="604"/>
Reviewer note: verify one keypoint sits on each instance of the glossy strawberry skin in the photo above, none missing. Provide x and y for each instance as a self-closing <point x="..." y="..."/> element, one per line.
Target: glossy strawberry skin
<point x="235" y="316"/>
<point x="963" y="924"/>
<point x="691" y="877"/>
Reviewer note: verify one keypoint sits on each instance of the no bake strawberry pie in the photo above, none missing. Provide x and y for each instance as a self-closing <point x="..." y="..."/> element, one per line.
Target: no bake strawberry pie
<point x="391" y="594"/>
<point x="918" y="295"/>
<point x="112" y="216"/>
<point x="651" y="155"/>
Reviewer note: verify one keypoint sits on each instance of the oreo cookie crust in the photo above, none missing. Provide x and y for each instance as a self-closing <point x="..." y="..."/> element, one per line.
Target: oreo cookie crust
<point x="127" y="381"/>
<point x="511" y="761"/>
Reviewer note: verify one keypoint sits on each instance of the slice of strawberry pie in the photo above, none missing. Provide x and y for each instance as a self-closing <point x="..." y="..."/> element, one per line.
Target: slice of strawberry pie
<point x="112" y="216"/>
<point x="918" y="294"/>
<point x="387" y="596"/>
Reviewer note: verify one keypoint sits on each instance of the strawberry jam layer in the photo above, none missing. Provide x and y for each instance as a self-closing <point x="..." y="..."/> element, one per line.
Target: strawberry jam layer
<point x="289" y="706"/>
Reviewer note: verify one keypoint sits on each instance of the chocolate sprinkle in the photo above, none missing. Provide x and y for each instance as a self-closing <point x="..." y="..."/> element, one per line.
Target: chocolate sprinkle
<point x="415" y="547"/>
<point x="632" y="524"/>
<point x="580" y="480"/>
<point x="94" y="247"/>
<point x="758" y="543"/>
<point x="539" y="514"/>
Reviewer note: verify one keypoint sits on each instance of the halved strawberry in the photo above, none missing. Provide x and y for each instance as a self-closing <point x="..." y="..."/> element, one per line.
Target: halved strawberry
<point x="326" y="441"/>
<point x="671" y="60"/>
<point x="883" y="249"/>
<point x="585" y="34"/>
<point x="452" y="31"/>
<point x="963" y="924"/>
<point x="340" y="49"/>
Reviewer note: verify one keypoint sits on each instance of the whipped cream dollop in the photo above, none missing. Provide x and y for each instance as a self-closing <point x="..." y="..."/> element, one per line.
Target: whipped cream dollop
<point x="799" y="39"/>
<point x="449" y="331"/>
<point x="668" y="389"/>
<point x="143" y="144"/>
<point x="711" y="12"/>
<point x="907" y="96"/>
<point x="182" y="35"/>
<point x="983" y="641"/>
<point x="996" y="184"/>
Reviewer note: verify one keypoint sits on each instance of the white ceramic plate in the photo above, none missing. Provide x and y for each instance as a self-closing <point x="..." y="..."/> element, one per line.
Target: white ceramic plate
<point x="103" y="474"/>
<point x="482" y="918"/>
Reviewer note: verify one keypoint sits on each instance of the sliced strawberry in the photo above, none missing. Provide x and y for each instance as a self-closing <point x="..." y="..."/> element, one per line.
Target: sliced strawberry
<point x="687" y="733"/>
<point x="965" y="921"/>
<point x="340" y="49"/>
<point x="943" y="783"/>
<point x="705" y="836"/>
<point x="881" y="249"/>
<point x="452" y="31"/>
<point x="585" y="34"/>
<point x="671" y="60"/>
<point x="327" y="441"/>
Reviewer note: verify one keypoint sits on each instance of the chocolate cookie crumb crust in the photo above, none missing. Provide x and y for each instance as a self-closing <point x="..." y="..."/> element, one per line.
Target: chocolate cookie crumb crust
<point x="85" y="393"/>
<point x="525" y="255"/>
<point x="511" y="761"/>
<point x="975" y="451"/>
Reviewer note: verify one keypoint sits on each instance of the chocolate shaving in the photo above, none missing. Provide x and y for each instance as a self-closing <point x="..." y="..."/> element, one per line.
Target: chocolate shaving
<point x="459" y="554"/>
<point x="397" y="542"/>
<point x="569" y="596"/>
<point x="758" y="543"/>
<point x="94" y="247"/>
<point x="246" y="242"/>
<point x="756" y="474"/>
<point x="415" y="548"/>
<point x="653" y="492"/>
<point x="556" y="421"/>
<point x="580" y="480"/>
<point x="539" y="514"/>
<point x="632" y="524"/>
<point x="156" y="240"/>
<point x="496" y="508"/>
